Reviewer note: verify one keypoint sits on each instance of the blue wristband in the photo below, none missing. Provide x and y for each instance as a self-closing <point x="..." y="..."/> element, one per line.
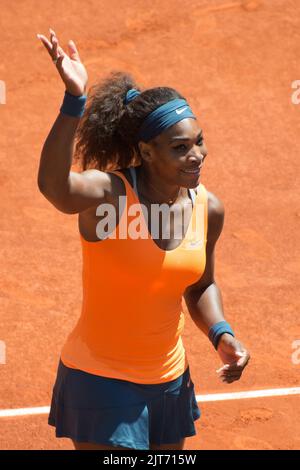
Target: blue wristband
<point x="217" y="330"/>
<point x="73" y="105"/>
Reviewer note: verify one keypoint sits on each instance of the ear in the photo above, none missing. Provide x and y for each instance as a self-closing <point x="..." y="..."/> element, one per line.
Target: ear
<point x="145" y="151"/>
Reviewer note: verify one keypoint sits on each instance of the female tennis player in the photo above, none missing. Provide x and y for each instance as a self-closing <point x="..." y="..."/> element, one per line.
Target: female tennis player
<point x="123" y="379"/>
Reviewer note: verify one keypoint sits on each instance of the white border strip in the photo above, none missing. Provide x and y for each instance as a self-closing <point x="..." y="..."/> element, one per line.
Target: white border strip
<point x="24" y="411"/>
<point x="275" y="392"/>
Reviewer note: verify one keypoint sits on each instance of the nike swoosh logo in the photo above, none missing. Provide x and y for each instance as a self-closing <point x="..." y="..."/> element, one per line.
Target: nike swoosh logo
<point x="194" y="244"/>
<point x="179" y="111"/>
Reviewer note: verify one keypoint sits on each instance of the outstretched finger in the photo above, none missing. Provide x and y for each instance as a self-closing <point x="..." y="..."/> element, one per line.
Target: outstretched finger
<point x="55" y="47"/>
<point x="52" y="33"/>
<point x="46" y="43"/>
<point x="57" y="50"/>
<point x="73" y="51"/>
<point x="60" y="51"/>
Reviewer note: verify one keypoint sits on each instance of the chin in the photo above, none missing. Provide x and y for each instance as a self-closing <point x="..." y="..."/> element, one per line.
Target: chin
<point x="189" y="180"/>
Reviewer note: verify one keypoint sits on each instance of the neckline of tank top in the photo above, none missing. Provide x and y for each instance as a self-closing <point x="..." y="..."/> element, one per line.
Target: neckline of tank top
<point x="146" y="225"/>
<point x="133" y="173"/>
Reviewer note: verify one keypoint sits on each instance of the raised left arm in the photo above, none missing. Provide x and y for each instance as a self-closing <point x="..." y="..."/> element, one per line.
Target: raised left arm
<point x="204" y="300"/>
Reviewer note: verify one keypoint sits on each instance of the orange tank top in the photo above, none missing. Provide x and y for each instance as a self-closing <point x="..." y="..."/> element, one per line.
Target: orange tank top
<point x="132" y="310"/>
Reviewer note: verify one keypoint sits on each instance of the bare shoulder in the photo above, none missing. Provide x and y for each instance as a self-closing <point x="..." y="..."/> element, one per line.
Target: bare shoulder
<point x="88" y="189"/>
<point x="107" y="185"/>
<point x="215" y="214"/>
<point x="102" y="179"/>
<point x="214" y="204"/>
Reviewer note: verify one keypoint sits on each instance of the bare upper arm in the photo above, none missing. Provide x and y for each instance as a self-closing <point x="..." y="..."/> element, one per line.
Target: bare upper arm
<point x="83" y="191"/>
<point x="216" y="212"/>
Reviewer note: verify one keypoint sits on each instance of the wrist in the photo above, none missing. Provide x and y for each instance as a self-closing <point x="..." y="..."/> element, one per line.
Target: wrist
<point x="224" y="337"/>
<point x="73" y="105"/>
<point x="71" y="92"/>
<point x="218" y="331"/>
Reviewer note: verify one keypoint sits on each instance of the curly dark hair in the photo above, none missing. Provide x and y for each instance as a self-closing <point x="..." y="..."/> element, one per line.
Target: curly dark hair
<point x="106" y="137"/>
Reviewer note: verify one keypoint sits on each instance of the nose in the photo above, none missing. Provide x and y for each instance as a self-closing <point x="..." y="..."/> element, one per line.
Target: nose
<point x="197" y="157"/>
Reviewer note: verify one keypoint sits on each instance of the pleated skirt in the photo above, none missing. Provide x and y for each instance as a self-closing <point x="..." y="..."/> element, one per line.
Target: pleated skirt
<point x="113" y="412"/>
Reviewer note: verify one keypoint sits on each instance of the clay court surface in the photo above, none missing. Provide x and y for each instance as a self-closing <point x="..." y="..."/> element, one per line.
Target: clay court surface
<point x="236" y="67"/>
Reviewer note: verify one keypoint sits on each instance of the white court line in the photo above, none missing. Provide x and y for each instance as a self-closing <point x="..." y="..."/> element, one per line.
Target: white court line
<point x="275" y="392"/>
<point x="41" y="410"/>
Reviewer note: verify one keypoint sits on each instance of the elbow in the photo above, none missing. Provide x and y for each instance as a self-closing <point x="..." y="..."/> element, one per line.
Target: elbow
<point x="43" y="182"/>
<point x="53" y="197"/>
<point x="45" y="189"/>
<point x="49" y="187"/>
<point x="41" y="185"/>
<point x="195" y="291"/>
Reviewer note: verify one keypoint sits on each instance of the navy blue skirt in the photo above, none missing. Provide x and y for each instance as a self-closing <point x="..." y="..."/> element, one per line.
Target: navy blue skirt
<point x="100" y="410"/>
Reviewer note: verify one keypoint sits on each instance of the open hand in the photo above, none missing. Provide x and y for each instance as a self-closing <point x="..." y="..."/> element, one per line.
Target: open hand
<point x="234" y="357"/>
<point x="69" y="66"/>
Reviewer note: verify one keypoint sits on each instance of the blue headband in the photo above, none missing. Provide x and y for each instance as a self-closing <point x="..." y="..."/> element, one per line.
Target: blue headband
<point x="130" y="95"/>
<point x="162" y="117"/>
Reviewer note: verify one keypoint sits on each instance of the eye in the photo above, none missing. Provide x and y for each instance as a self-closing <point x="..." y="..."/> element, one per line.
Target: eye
<point x="179" y="147"/>
<point x="184" y="147"/>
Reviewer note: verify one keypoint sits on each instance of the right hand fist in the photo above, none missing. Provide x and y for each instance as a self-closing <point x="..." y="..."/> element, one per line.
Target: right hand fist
<point x="70" y="67"/>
